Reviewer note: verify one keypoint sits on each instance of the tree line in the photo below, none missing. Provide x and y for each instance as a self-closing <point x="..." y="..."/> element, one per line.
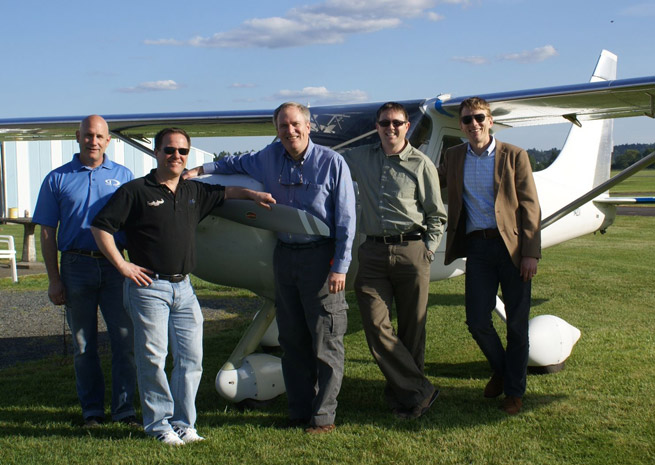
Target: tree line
<point x="623" y="156"/>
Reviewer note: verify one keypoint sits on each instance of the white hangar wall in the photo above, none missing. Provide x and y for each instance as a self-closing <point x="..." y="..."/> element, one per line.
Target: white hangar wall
<point x="26" y="164"/>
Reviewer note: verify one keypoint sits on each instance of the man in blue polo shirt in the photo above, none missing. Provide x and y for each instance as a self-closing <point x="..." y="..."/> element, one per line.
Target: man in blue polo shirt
<point x="69" y="199"/>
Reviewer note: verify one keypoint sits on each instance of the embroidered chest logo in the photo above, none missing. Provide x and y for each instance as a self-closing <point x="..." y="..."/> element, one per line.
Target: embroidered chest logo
<point x="155" y="203"/>
<point x="113" y="182"/>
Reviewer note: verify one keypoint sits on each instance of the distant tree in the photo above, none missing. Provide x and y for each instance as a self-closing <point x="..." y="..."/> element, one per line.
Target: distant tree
<point x="221" y="154"/>
<point x="626" y="159"/>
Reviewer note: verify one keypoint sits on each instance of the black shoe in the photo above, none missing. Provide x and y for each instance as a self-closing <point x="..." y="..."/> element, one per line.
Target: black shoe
<point x="418" y="410"/>
<point x="494" y="387"/>
<point x="130" y="421"/>
<point x="93" y="422"/>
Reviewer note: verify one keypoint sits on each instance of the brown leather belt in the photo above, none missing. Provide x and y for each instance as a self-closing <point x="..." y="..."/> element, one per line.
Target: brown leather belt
<point x="484" y="233"/>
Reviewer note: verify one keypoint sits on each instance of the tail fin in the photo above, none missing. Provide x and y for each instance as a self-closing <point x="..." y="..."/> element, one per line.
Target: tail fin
<point x="585" y="159"/>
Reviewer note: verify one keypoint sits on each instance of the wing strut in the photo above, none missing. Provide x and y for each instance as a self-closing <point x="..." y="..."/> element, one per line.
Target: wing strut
<point x="132" y="142"/>
<point x="626" y="173"/>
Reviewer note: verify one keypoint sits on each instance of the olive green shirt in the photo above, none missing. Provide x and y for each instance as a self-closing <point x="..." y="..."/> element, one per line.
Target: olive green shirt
<point x="398" y="193"/>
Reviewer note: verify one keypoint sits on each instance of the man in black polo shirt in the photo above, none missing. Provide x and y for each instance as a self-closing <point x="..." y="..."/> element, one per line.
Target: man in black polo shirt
<point x="159" y="214"/>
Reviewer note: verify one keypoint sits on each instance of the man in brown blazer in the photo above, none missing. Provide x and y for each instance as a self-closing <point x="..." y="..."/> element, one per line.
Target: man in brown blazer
<point x="494" y="221"/>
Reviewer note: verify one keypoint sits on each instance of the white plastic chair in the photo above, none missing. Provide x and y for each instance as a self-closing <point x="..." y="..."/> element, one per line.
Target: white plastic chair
<point x="9" y="253"/>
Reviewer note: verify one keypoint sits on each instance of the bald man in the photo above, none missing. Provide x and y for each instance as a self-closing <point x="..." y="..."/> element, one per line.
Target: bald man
<point x="69" y="199"/>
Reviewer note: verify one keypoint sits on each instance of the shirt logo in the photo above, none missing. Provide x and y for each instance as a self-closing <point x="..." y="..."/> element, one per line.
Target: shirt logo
<point x="113" y="182"/>
<point x="156" y="203"/>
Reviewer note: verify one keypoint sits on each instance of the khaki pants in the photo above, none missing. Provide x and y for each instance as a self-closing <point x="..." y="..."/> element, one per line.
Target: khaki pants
<point x="397" y="273"/>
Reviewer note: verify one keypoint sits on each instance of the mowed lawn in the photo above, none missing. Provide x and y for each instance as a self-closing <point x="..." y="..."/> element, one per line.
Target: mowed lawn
<point x="598" y="410"/>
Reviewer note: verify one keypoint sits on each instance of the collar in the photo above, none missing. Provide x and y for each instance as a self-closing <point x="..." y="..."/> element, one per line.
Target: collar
<point x="151" y="179"/>
<point x="489" y="151"/>
<point x="403" y="154"/>
<point x="78" y="166"/>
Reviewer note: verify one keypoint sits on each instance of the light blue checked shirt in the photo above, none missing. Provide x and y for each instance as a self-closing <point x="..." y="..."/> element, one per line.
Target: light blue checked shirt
<point x="478" y="192"/>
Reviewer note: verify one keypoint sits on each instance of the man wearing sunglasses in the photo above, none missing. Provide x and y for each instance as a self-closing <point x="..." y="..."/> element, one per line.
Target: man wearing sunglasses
<point x="159" y="214"/>
<point x="310" y="271"/>
<point x="494" y="221"/>
<point x="403" y="218"/>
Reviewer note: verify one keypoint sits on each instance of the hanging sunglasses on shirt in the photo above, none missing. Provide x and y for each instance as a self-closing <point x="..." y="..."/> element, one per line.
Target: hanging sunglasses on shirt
<point x="468" y="119"/>
<point x="172" y="150"/>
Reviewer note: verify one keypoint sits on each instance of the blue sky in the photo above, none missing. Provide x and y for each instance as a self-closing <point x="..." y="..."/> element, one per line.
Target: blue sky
<point x="77" y="57"/>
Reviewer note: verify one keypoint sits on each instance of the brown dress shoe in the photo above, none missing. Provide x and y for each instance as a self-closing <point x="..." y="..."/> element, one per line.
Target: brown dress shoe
<point x="320" y="429"/>
<point x="494" y="387"/>
<point x="512" y="405"/>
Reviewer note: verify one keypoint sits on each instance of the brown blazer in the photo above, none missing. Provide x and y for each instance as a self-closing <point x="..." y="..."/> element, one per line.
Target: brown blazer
<point x="518" y="214"/>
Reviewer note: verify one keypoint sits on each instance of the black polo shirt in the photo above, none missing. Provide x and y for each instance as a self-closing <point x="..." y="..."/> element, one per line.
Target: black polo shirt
<point x="160" y="226"/>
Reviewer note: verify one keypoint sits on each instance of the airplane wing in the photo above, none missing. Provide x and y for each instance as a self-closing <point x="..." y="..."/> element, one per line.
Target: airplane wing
<point x="625" y="200"/>
<point x="280" y="218"/>
<point x="573" y="103"/>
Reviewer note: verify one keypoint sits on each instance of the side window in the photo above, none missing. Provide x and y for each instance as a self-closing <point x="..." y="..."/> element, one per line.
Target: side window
<point x="421" y="132"/>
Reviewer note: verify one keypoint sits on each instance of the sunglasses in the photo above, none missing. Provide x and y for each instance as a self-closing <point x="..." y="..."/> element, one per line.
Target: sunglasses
<point x="172" y="150"/>
<point x="468" y="119"/>
<point x="385" y="123"/>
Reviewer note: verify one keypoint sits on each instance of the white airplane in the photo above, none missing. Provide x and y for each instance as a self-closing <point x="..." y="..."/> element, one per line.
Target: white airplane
<point x="236" y="242"/>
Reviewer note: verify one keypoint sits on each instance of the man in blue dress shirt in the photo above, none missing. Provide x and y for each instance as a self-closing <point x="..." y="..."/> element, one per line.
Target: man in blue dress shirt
<point x="70" y="197"/>
<point x="310" y="271"/>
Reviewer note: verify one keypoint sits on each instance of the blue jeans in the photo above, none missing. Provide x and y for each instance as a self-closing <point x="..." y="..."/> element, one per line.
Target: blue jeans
<point x="166" y="314"/>
<point x="488" y="264"/>
<point x="91" y="282"/>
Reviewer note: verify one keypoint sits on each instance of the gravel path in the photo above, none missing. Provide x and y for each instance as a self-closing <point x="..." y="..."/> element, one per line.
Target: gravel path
<point x="32" y="328"/>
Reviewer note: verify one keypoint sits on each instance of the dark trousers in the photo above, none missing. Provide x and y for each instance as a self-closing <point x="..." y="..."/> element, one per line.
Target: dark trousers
<point x="311" y="323"/>
<point x="488" y="265"/>
<point x="396" y="273"/>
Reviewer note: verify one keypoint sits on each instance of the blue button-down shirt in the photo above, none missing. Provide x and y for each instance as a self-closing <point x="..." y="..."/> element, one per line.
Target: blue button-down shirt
<point x="319" y="184"/>
<point x="478" y="192"/>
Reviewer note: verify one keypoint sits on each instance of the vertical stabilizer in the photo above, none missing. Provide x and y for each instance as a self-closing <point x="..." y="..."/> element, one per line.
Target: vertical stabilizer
<point x="585" y="159"/>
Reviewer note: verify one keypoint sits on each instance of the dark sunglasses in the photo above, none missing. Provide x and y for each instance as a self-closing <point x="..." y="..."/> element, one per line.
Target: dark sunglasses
<point x="172" y="150"/>
<point x="468" y="119"/>
<point x="385" y="123"/>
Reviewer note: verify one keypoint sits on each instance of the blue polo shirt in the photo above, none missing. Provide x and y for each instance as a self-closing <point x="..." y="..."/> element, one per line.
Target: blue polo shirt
<point x="72" y="195"/>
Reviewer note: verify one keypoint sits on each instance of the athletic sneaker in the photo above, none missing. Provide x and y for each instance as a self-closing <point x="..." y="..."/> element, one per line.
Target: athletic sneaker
<point x="170" y="438"/>
<point x="187" y="435"/>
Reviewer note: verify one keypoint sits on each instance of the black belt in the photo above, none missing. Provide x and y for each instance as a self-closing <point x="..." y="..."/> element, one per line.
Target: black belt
<point x="305" y="245"/>
<point x="86" y="253"/>
<point x="395" y="239"/>
<point x="173" y="278"/>
<point x="484" y="233"/>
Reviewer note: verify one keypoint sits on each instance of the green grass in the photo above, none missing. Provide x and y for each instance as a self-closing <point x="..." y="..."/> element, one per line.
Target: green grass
<point x="641" y="182"/>
<point x="599" y="410"/>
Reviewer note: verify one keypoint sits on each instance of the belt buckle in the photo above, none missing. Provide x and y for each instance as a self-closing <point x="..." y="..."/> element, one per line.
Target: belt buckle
<point x="390" y="240"/>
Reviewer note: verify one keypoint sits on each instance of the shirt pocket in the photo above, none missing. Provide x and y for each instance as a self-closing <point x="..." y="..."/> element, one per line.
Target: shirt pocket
<point x="401" y="186"/>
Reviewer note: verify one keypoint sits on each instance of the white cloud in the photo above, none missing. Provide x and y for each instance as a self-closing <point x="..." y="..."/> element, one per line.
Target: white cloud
<point x="531" y="56"/>
<point x="473" y="60"/>
<point x="152" y="86"/>
<point x="329" y="22"/>
<point x="432" y="16"/>
<point x="321" y="96"/>
<point x="242" y="85"/>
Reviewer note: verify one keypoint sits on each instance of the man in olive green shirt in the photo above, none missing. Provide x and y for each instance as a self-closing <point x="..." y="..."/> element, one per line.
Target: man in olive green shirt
<point x="403" y="218"/>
